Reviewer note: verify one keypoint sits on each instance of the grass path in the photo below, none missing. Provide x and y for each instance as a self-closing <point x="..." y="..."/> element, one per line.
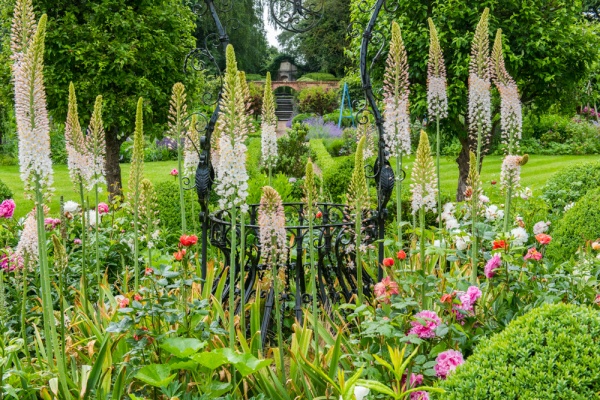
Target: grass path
<point x="534" y="174"/>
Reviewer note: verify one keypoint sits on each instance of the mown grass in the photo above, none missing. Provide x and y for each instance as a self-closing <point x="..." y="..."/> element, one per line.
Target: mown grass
<point x="534" y="175"/>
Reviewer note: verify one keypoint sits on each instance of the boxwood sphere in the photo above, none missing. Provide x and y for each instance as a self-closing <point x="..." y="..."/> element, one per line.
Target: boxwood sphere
<point x="552" y="352"/>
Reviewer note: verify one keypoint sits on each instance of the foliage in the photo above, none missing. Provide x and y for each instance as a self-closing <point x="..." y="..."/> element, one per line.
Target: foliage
<point x="323" y="46"/>
<point x="334" y="118"/>
<point x="299" y="118"/>
<point x="320" y="129"/>
<point x="169" y="210"/>
<point x="5" y="192"/>
<point x="321" y="156"/>
<point x="317" y="76"/>
<point x="578" y="225"/>
<point x="337" y="179"/>
<point x="293" y="151"/>
<point x="317" y="100"/>
<point x="561" y="339"/>
<point x="570" y="184"/>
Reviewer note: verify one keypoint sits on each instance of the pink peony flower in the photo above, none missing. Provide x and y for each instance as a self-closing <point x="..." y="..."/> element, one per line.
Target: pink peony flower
<point x="597" y="300"/>
<point x="533" y="254"/>
<point x="103" y="208"/>
<point x="427" y="331"/>
<point x="51" y="223"/>
<point x="7" y="208"/>
<point x="174" y="172"/>
<point x="11" y="261"/>
<point x="467" y="300"/>
<point x="385" y="289"/>
<point x="447" y="361"/>
<point x="416" y="380"/>
<point x="492" y="265"/>
<point x="420" y="395"/>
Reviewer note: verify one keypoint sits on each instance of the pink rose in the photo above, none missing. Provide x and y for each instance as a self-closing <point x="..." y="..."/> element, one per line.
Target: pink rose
<point x="174" y="172"/>
<point x="7" y="208"/>
<point x="425" y="325"/>
<point x="77" y="241"/>
<point x="103" y="208"/>
<point x="492" y="265"/>
<point x="533" y="254"/>
<point x="385" y="289"/>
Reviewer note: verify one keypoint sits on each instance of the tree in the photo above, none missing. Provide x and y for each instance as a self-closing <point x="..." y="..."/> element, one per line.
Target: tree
<point x="121" y="49"/>
<point x="322" y="47"/>
<point x="548" y="46"/>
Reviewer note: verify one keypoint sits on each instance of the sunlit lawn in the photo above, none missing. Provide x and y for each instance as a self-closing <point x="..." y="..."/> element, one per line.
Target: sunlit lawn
<point x="534" y="174"/>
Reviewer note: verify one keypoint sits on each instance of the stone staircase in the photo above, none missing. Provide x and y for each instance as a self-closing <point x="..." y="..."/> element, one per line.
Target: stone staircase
<point x="285" y="107"/>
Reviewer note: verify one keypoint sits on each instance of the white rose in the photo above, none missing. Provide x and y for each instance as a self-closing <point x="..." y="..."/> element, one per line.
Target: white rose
<point x="492" y="213"/>
<point x="541" y="227"/>
<point x="70" y="206"/>
<point x="519" y="236"/>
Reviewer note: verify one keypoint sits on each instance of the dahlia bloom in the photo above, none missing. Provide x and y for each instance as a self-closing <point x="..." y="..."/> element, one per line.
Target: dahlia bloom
<point x="533" y="254"/>
<point x="492" y="265"/>
<point x="447" y="361"/>
<point x="543" y="239"/>
<point x="425" y="324"/>
<point x="519" y="236"/>
<point x="7" y="208"/>
<point x="499" y="244"/>
<point x="385" y="289"/>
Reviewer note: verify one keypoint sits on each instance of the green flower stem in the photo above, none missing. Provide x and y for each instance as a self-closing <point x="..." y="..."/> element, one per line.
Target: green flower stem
<point x="232" y="278"/>
<point x="98" y="274"/>
<point x="47" y="306"/>
<point x="508" y="200"/>
<point x="270" y="174"/>
<point x="424" y="268"/>
<point x="359" y="267"/>
<point x="180" y="179"/>
<point x="314" y="275"/>
<point x="242" y="274"/>
<point x="399" y="197"/>
<point x="84" y="289"/>
<point x="437" y="167"/>
<point x="479" y="139"/>
<point x="136" y="244"/>
<point x="24" y="307"/>
<point x="474" y="234"/>
<point x="274" y="269"/>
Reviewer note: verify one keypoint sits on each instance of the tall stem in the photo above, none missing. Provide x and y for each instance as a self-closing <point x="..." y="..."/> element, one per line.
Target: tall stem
<point x="422" y="250"/>
<point x="180" y="179"/>
<point x="136" y="249"/>
<point x="97" y="228"/>
<point x="474" y="234"/>
<point x="399" y="197"/>
<point x="242" y="273"/>
<point x="508" y="199"/>
<point x="270" y="176"/>
<point x="84" y="277"/>
<point x="24" y="306"/>
<point x="437" y="167"/>
<point x="359" y="270"/>
<point x="232" y="258"/>
<point x="278" y="320"/>
<point x="314" y="275"/>
<point x="479" y="140"/>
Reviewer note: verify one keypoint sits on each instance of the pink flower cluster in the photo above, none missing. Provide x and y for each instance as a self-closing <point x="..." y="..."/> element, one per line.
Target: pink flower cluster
<point x="492" y="265"/>
<point x="51" y="223"/>
<point x="7" y="208"/>
<point x="467" y="300"/>
<point x="425" y="324"/>
<point x="447" y="361"/>
<point x="9" y="261"/>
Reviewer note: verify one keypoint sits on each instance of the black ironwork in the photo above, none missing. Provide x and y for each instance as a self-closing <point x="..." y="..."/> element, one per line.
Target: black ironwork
<point x="334" y="240"/>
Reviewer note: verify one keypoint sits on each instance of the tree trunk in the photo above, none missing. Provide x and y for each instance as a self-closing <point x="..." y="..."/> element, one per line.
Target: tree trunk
<point x="113" y="169"/>
<point x="463" y="169"/>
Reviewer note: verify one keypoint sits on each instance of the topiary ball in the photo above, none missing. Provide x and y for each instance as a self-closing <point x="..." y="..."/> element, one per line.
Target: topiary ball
<point x="570" y="184"/>
<point x="5" y="192"/>
<point x="552" y="352"/>
<point x="580" y="223"/>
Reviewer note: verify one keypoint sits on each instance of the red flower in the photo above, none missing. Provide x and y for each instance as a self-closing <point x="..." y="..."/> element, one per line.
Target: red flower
<point x="124" y="302"/>
<point x="137" y="297"/>
<point x="388" y="262"/>
<point x="499" y="244"/>
<point x="401" y="255"/>
<point x="148" y="271"/>
<point x="179" y="255"/>
<point x="319" y="214"/>
<point x="543" y="239"/>
<point x="494" y="182"/>
<point x="188" y="240"/>
<point x="597" y="301"/>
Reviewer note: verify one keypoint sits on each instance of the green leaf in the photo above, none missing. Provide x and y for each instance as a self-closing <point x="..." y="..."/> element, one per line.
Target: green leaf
<point x="245" y="363"/>
<point x="376" y="386"/>
<point x="211" y="360"/>
<point x="155" y="375"/>
<point x="182" y="347"/>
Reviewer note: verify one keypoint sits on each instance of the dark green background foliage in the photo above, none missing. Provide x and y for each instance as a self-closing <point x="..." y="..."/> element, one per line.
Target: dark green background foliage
<point x="336" y="180"/>
<point x="5" y="192"/>
<point x="317" y="100"/>
<point x="571" y="184"/>
<point x="579" y="224"/>
<point x="552" y="352"/>
<point x="169" y="210"/>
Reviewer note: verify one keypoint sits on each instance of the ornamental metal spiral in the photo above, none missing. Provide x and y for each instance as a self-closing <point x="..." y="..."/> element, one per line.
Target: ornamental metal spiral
<point x="333" y="237"/>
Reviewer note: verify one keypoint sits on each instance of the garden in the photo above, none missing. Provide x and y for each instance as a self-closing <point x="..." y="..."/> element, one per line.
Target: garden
<point x="435" y="237"/>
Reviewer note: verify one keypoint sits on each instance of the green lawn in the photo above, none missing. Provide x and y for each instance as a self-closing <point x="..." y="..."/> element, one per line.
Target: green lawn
<point x="534" y="174"/>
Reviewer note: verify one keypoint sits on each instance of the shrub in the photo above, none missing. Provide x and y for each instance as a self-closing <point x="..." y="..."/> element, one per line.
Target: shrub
<point x="334" y="118"/>
<point x="335" y="146"/>
<point x="552" y="352"/>
<point x="320" y="155"/>
<point x="571" y="184"/>
<point x="318" y="76"/>
<point x="317" y="100"/>
<point x="319" y="129"/>
<point x="293" y="151"/>
<point x="298" y="119"/>
<point x="256" y="99"/>
<point x="5" y="192"/>
<point x="254" y="77"/>
<point x="280" y="182"/>
<point x="580" y="223"/>
<point x="58" y="151"/>
<point x="337" y="178"/>
<point x="167" y="199"/>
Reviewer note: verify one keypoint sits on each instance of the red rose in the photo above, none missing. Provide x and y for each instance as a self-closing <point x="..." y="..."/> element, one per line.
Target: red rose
<point x="401" y="255"/>
<point x="148" y="271"/>
<point x="319" y="214"/>
<point x="188" y="240"/>
<point x="388" y="262"/>
<point x="447" y="298"/>
<point x="542" y="238"/>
